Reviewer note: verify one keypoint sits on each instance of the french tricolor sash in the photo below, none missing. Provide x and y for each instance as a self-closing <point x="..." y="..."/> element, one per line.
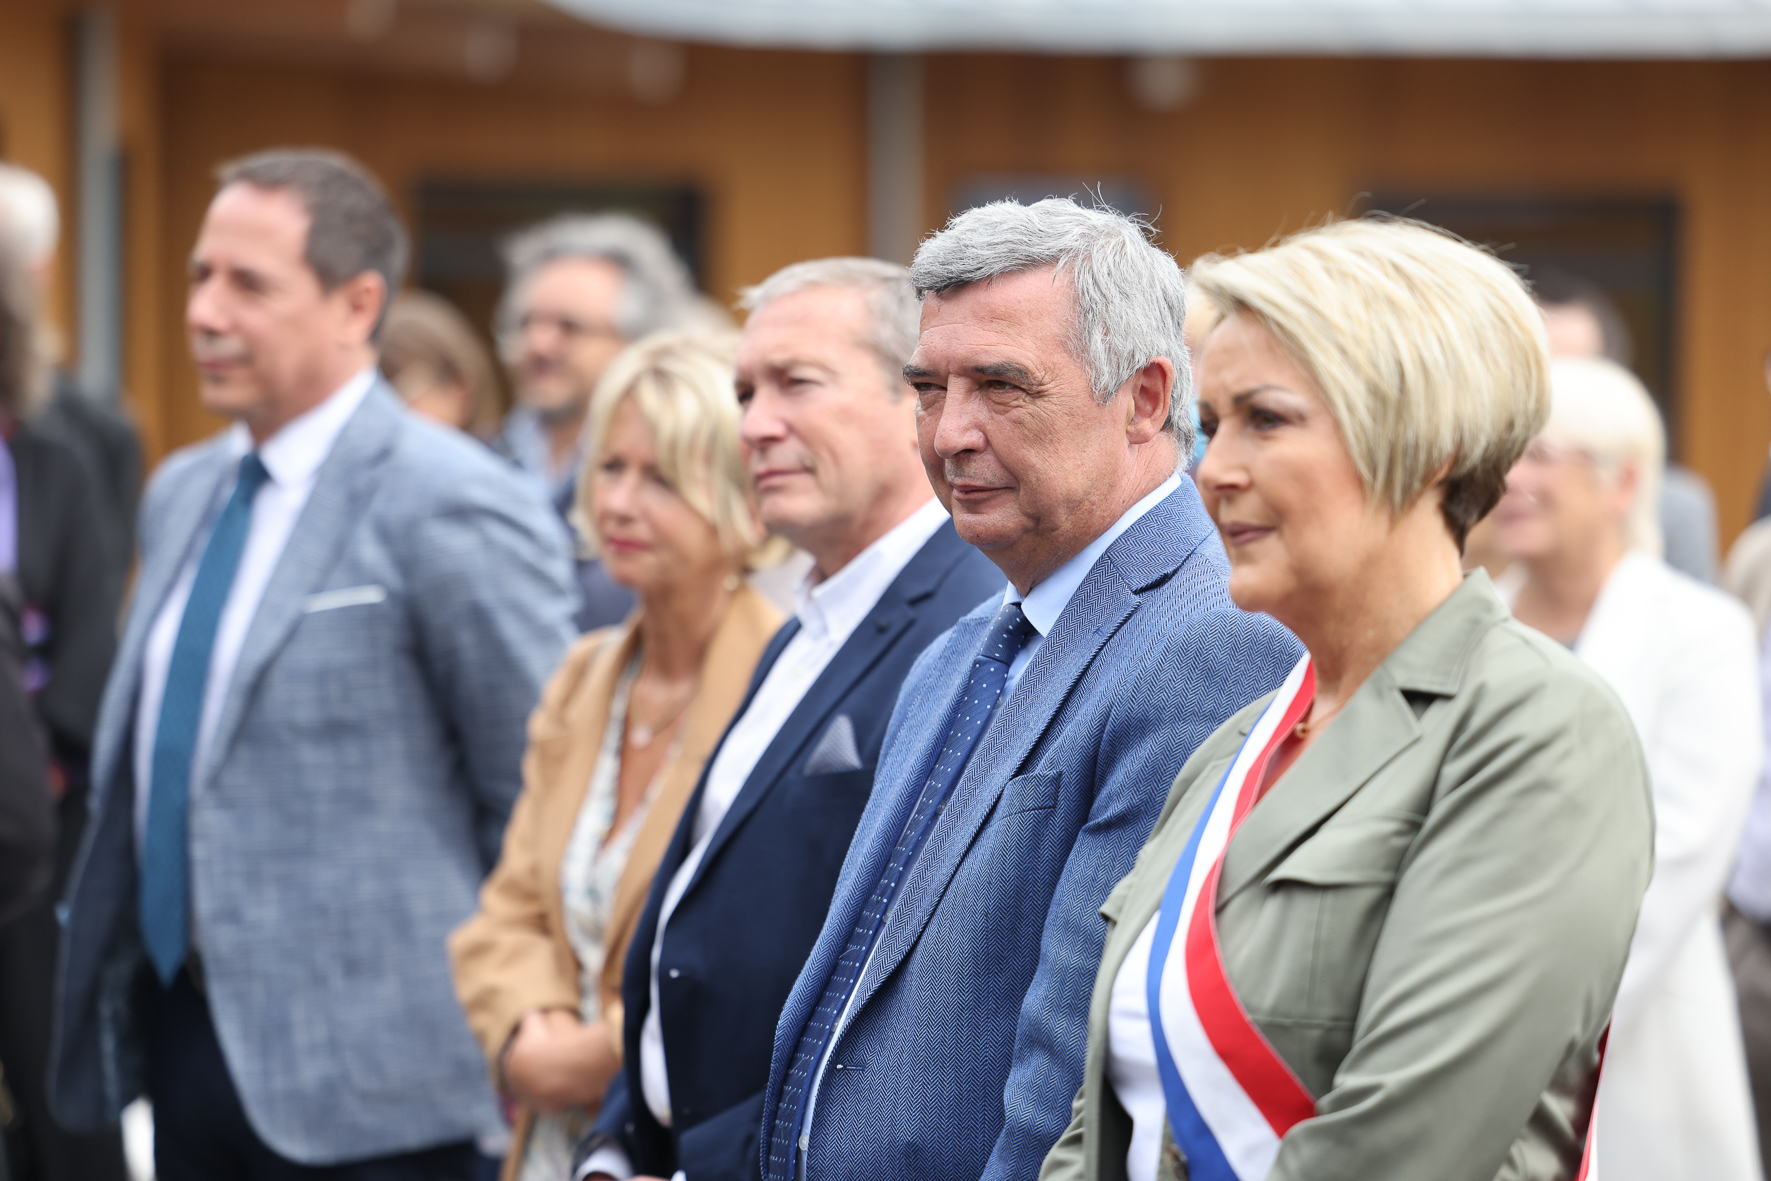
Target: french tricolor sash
<point x="1231" y="1098"/>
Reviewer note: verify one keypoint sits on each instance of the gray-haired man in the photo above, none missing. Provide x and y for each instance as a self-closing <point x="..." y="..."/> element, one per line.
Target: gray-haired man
<point x="581" y="288"/>
<point x="740" y="894"/>
<point x="938" y="1028"/>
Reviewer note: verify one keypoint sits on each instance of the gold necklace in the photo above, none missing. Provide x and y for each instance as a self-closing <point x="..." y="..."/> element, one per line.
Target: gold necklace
<point x="1304" y="728"/>
<point x="640" y="735"/>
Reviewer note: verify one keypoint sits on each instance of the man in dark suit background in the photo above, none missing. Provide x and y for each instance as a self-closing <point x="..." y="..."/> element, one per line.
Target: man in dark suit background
<point x="76" y="469"/>
<point x="741" y="893"/>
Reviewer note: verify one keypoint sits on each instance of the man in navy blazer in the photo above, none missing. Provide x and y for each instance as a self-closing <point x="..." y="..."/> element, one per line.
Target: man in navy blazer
<point x="938" y="1028"/>
<point x="830" y="440"/>
<point x="312" y="735"/>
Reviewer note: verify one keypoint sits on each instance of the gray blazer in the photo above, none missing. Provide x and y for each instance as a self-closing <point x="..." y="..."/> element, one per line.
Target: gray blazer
<point x="1427" y="915"/>
<point x="352" y="799"/>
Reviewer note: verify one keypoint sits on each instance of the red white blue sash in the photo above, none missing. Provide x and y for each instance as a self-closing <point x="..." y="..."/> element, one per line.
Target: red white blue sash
<point x="1231" y="1097"/>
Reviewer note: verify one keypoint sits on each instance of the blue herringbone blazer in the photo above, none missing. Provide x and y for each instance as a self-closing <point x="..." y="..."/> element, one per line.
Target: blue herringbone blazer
<point x="354" y="795"/>
<point x="965" y="1043"/>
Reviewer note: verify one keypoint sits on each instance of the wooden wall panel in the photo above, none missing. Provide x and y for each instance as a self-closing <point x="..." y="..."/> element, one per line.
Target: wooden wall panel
<point x="776" y="141"/>
<point x="1270" y="145"/>
<point x="771" y="138"/>
<point x="35" y="123"/>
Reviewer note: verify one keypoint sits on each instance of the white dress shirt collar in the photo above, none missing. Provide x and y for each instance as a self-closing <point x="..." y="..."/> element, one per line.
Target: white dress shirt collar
<point x="836" y="605"/>
<point x="1046" y="601"/>
<point x="294" y="454"/>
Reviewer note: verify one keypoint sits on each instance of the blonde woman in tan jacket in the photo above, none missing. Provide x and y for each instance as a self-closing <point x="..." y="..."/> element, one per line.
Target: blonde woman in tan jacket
<point x="619" y="739"/>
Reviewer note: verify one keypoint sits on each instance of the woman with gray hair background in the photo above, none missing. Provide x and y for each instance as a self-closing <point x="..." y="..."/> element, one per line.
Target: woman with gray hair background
<point x="1580" y="520"/>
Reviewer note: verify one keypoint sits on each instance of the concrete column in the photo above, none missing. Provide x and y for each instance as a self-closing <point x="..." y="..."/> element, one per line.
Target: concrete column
<point x="894" y="155"/>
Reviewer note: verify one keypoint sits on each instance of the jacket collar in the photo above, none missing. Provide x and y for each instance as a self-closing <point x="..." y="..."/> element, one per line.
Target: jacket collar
<point x="342" y="487"/>
<point x="1376" y="724"/>
<point x="1142" y="558"/>
<point x="879" y="631"/>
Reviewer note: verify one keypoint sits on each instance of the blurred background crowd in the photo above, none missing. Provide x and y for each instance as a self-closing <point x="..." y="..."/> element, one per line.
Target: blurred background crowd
<point x="588" y="190"/>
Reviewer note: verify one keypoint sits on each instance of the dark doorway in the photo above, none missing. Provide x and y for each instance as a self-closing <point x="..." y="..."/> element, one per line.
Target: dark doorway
<point x="462" y="223"/>
<point x="1626" y="248"/>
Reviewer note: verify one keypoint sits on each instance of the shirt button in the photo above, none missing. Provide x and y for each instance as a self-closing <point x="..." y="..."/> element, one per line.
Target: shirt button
<point x="674" y="973"/>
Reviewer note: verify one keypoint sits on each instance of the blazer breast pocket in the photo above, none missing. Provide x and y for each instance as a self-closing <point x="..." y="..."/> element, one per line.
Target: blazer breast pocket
<point x="1325" y="906"/>
<point x="1356" y="851"/>
<point x="1029" y="793"/>
<point x="346" y="596"/>
<point x="844" y="791"/>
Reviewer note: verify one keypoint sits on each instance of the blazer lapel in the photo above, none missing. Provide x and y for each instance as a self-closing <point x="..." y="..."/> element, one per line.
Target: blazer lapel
<point x="806" y="723"/>
<point x="1611" y="641"/>
<point x="333" y="510"/>
<point x="1144" y="556"/>
<point x="1374" y="726"/>
<point x="1100" y="607"/>
<point x="741" y="637"/>
<point x="186" y="518"/>
<point x="872" y="638"/>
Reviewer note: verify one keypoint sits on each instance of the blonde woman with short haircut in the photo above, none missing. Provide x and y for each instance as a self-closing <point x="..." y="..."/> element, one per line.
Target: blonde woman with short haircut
<point x="619" y="739"/>
<point x="1377" y="930"/>
<point x="1580" y="522"/>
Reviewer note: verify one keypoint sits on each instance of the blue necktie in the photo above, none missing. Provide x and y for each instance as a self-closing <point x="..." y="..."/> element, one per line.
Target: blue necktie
<point x="1008" y="632"/>
<point x="165" y="868"/>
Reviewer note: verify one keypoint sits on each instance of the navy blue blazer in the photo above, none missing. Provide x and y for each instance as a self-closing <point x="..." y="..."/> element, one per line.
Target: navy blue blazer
<point x="735" y="942"/>
<point x="965" y="1041"/>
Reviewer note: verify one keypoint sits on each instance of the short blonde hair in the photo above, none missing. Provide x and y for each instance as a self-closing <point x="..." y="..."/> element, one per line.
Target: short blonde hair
<point x="1599" y="407"/>
<point x="1427" y="350"/>
<point x="682" y="384"/>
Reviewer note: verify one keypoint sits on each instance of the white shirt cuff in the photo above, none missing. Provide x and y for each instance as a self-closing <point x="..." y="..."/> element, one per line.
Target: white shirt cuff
<point x="607" y="1159"/>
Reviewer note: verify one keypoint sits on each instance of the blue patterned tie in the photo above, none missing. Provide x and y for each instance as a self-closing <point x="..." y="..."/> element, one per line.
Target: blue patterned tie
<point x="165" y="868"/>
<point x="1008" y="632"/>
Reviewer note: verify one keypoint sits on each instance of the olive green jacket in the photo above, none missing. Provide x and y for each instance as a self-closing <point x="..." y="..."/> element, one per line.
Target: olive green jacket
<point x="1426" y="916"/>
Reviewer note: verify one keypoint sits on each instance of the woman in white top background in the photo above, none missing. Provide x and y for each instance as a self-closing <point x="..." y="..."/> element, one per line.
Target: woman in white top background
<point x="1579" y="522"/>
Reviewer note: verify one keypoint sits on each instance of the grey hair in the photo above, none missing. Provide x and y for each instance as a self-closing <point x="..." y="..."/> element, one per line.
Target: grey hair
<point x="24" y="359"/>
<point x="27" y="205"/>
<point x="1130" y="296"/>
<point x="658" y="295"/>
<point x="891" y="301"/>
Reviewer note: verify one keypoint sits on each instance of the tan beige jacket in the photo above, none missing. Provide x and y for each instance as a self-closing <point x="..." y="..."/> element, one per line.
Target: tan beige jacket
<point x="512" y="955"/>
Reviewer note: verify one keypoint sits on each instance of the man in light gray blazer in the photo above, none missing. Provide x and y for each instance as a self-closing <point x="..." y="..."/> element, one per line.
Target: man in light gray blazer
<point x="311" y="737"/>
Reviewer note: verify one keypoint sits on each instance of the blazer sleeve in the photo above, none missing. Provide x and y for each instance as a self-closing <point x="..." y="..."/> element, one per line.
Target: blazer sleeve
<point x="1163" y="709"/>
<point x="1704" y="749"/>
<point x="66" y="571"/>
<point x="1495" y="962"/>
<point x="495" y="600"/>
<point x="27" y="810"/>
<point x="505" y="958"/>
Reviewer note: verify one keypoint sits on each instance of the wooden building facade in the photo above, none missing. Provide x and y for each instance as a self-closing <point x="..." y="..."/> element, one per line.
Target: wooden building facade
<point x="1659" y="170"/>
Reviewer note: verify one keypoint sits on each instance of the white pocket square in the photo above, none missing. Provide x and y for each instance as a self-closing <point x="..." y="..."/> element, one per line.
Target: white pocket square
<point x="836" y="751"/>
<point x="348" y="596"/>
